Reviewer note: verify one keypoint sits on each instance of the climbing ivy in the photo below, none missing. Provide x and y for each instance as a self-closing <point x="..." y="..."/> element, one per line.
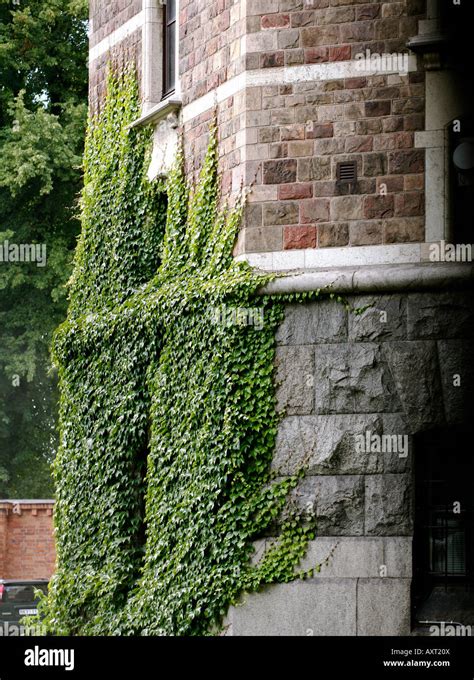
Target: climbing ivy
<point x="167" y="416"/>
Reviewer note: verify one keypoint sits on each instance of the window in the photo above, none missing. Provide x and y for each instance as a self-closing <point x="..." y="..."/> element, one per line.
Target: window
<point x="444" y="532"/>
<point x="22" y="592"/>
<point x="169" y="43"/>
<point x="461" y="178"/>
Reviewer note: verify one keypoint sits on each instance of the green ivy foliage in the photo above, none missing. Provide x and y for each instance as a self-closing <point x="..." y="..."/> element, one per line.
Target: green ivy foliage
<point x="123" y="219"/>
<point x="167" y="415"/>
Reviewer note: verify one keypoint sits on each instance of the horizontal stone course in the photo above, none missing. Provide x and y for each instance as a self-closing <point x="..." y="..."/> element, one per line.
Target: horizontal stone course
<point x="359" y="556"/>
<point x="383" y="607"/>
<point x="325" y="606"/>
<point x="300" y="608"/>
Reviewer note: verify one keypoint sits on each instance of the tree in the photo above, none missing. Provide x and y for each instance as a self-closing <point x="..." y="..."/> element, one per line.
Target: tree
<point x="43" y="109"/>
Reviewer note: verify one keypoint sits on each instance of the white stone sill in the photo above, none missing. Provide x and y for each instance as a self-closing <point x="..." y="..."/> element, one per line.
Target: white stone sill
<point x="158" y="112"/>
<point x="376" y="278"/>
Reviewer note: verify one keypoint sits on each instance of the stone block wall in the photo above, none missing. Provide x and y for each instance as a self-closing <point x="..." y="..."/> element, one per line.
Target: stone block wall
<point x="387" y="371"/>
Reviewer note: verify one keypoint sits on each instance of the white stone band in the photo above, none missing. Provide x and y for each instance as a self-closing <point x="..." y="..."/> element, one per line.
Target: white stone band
<point x="314" y="258"/>
<point x="132" y="25"/>
<point x="286" y="75"/>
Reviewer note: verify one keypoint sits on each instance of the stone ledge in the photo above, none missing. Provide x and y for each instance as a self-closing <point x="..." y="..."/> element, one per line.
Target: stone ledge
<point x="360" y="556"/>
<point x="380" y="278"/>
<point x="158" y="112"/>
<point x="18" y="507"/>
<point x="324" y="606"/>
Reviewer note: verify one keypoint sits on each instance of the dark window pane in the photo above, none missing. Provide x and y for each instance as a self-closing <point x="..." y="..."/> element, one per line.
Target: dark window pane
<point x="170" y="61"/>
<point x="443" y="549"/>
<point x="170" y="10"/>
<point x="20" y="594"/>
<point x="447" y="546"/>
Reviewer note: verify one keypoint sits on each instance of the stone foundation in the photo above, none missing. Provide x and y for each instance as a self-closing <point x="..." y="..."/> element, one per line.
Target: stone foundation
<point x="390" y="370"/>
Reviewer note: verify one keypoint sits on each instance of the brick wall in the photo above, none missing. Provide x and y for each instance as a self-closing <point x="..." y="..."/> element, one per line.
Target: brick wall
<point x="26" y="540"/>
<point x="211" y="53"/>
<point x="287" y="139"/>
<point x="305" y="130"/>
<point x="106" y="16"/>
<point x="210" y="44"/>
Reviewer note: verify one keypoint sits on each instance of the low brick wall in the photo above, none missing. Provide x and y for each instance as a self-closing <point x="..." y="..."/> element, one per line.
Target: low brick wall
<point x="27" y="548"/>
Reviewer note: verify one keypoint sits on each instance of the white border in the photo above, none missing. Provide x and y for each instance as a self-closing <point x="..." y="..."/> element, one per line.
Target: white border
<point x="315" y="258"/>
<point x="285" y="75"/>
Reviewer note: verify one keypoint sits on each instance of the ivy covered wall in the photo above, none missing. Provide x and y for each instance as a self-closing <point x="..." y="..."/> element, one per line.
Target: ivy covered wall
<point x="167" y="416"/>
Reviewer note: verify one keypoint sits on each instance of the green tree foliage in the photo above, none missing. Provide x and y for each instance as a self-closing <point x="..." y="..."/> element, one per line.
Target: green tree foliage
<point x="43" y="109"/>
<point x="167" y="412"/>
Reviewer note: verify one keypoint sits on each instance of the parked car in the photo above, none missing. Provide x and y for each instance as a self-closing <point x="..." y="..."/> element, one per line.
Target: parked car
<point x="17" y="599"/>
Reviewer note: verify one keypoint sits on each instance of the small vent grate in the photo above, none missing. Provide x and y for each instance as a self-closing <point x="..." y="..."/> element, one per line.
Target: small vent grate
<point x="347" y="172"/>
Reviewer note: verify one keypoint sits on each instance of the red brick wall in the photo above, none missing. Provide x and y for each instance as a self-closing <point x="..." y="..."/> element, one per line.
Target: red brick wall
<point x="26" y="540"/>
<point x="287" y="139"/>
<point x="296" y="134"/>
<point x="108" y="15"/>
